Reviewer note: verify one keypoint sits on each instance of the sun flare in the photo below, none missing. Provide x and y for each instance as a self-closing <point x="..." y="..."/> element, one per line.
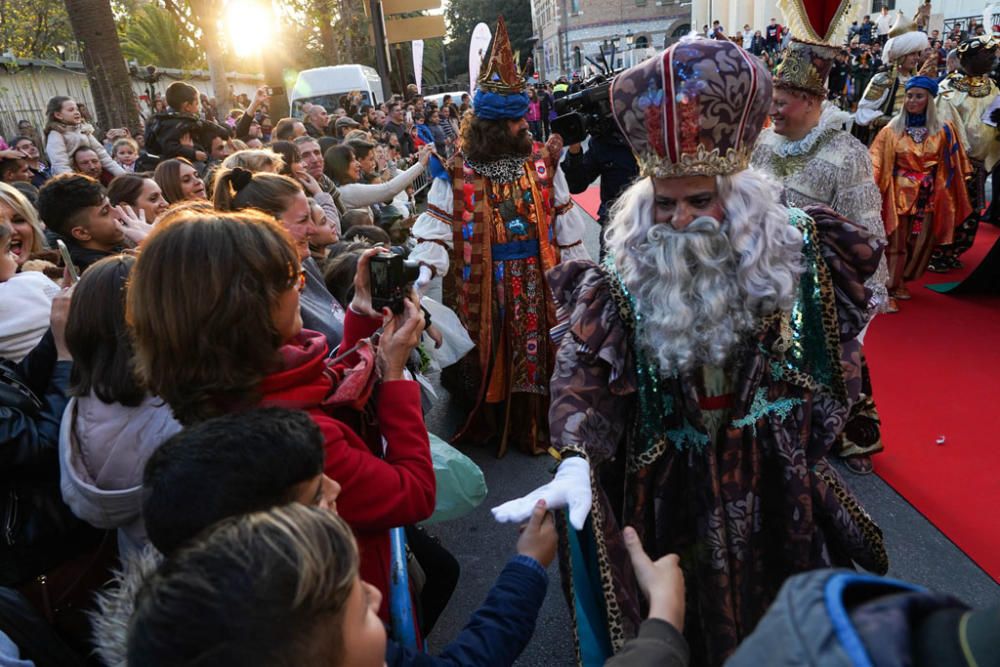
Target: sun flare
<point x="249" y="25"/>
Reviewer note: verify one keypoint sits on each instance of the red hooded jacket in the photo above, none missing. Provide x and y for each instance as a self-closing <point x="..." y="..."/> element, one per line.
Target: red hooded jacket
<point x="376" y="493"/>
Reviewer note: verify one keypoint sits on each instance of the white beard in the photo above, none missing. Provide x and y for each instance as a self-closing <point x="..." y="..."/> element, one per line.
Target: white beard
<point x="700" y="291"/>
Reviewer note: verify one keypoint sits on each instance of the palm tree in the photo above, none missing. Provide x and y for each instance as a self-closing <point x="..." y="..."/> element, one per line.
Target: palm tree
<point x="154" y="38"/>
<point x="94" y="28"/>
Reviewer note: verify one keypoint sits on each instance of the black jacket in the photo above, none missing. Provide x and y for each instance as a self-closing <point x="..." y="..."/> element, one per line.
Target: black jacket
<point x="612" y="161"/>
<point x="166" y="129"/>
<point x="38" y="531"/>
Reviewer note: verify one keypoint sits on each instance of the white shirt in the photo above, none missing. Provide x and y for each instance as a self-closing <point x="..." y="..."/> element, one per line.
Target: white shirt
<point x="747" y="39"/>
<point x="883" y="23"/>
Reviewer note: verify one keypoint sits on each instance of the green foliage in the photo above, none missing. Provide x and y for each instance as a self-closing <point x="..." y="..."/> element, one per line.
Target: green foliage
<point x="153" y="37"/>
<point x="33" y="28"/>
<point x="463" y="15"/>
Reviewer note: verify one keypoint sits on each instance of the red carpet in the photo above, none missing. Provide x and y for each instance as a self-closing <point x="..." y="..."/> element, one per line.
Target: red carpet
<point x="936" y="372"/>
<point x="589" y="200"/>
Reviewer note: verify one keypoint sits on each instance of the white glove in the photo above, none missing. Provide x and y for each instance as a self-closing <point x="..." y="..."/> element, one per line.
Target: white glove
<point x="423" y="279"/>
<point x="571" y="487"/>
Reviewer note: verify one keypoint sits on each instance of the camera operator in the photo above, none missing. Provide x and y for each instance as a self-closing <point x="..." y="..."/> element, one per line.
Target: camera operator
<point x="607" y="155"/>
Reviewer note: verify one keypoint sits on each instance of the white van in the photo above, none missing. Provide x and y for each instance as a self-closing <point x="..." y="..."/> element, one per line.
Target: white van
<point x="456" y="97"/>
<point x="325" y="85"/>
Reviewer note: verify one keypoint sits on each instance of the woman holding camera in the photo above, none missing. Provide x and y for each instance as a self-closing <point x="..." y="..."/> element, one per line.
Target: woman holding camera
<point x="214" y="309"/>
<point x="284" y="199"/>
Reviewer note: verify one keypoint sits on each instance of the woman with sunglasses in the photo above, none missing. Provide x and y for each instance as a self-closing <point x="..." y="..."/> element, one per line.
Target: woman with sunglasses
<point x="283" y="198"/>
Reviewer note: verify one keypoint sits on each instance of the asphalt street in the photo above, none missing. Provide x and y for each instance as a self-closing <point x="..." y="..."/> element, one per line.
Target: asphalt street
<point x="918" y="552"/>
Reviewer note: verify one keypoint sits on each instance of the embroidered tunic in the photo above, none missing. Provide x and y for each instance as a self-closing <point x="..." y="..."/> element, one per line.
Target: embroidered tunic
<point x="730" y="473"/>
<point x="962" y="101"/>
<point x="831" y="167"/>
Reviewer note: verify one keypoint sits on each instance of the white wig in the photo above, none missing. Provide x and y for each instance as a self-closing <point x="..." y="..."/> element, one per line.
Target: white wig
<point x="698" y="291"/>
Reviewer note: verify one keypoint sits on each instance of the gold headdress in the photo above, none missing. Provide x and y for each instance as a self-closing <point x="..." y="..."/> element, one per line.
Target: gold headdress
<point x="501" y="74"/>
<point x="807" y="61"/>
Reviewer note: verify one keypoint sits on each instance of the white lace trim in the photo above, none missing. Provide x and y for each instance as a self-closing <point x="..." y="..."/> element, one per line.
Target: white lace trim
<point x="832" y="119"/>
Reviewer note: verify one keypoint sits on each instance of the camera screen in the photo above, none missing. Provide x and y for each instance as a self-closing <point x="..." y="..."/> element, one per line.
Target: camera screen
<point x="380" y="277"/>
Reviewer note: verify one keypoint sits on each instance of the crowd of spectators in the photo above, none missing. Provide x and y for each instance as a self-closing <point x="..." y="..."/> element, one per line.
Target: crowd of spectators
<point x="197" y="392"/>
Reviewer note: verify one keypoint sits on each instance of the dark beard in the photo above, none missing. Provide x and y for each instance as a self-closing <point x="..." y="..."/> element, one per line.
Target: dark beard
<point x="523" y="144"/>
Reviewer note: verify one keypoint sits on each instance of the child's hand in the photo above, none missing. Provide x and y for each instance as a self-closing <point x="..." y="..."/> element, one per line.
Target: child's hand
<point x="538" y="536"/>
<point x="661" y="582"/>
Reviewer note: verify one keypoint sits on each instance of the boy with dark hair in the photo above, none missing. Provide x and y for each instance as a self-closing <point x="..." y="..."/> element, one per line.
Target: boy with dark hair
<point x="13" y="170"/>
<point x="76" y="209"/>
<point x="180" y="131"/>
<point x="246" y="462"/>
<point x="269" y="457"/>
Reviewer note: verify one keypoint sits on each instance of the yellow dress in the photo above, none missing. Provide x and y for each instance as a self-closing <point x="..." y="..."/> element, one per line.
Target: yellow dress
<point x="901" y="164"/>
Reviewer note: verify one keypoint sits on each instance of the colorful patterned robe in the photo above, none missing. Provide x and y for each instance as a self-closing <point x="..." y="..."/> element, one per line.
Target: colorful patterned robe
<point x="726" y="467"/>
<point x="492" y="240"/>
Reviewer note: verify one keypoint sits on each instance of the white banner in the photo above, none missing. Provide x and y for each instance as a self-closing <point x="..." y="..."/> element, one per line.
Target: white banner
<point x="418" y="64"/>
<point x="480" y="41"/>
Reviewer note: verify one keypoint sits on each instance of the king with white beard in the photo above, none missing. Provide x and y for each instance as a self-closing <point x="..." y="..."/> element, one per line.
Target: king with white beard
<point x="698" y="383"/>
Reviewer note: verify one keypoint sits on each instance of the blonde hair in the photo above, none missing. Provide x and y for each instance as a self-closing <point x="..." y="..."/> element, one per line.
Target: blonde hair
<point x="255" y="160"/>
<point x="10" y="196"/>
<point x="124" y="141"/>
<point x="898" y="122"/>
<point x="284" y="575"/>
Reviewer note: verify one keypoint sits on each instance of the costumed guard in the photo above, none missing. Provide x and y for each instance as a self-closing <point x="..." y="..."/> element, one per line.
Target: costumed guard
<point x="962" y="99"/>
<point x="883" y="97"/>
<point x="920" y="169"/>
<point x="498" y="217"/>
<point x="807" y="150"/>
<point x="698" y="383"/>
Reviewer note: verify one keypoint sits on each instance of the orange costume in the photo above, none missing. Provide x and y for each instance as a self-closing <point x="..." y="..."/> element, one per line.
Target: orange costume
<point x="923" y="194"/>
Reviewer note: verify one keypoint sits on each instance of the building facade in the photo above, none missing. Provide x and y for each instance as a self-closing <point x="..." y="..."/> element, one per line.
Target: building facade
<point x="569" y="32"/>
<point x="734" y="14"/>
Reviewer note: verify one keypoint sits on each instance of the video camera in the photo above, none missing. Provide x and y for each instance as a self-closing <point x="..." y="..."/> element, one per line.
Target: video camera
<point x="588" y="111"/>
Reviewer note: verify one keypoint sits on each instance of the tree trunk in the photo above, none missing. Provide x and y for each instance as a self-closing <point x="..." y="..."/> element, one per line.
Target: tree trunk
<point x="347" y="20"/>
<point x="94" y="28"/>
<point x="207" y="17"/>
<point x="324" y="17"/>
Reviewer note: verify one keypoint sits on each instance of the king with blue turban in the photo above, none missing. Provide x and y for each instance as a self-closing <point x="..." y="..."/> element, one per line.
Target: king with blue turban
<point x="499" y="216"/>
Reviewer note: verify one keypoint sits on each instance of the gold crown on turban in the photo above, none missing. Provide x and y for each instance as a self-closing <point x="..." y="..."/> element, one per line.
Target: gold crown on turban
<point x="902" y="25"/>
<point x="807" y="61"/>
<point x="501" y="74"/>
<point x="805" y="66"/>
<point x="904" y="39"/>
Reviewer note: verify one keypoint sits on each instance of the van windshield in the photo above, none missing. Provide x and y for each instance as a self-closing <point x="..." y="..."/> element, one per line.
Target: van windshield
<point x="329" y="102"/>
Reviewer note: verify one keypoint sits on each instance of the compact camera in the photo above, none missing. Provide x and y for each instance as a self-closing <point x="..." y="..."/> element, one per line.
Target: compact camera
<point x="391" y="278"/>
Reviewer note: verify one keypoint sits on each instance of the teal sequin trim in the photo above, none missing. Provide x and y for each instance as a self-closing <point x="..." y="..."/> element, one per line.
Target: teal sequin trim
<point x="688" y="436"/>
<point x="808" y="352"/>
<point x="761" y="407"/>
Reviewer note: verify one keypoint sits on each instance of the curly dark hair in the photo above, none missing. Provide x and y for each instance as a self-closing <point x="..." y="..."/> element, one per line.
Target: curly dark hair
<point x="485" y="140"/>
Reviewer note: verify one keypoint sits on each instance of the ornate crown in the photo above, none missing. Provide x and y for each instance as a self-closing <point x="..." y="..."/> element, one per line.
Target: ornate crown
<point x="501" y="74"/>
<point x="694" y="110"/>
<point x="806" y="66"/>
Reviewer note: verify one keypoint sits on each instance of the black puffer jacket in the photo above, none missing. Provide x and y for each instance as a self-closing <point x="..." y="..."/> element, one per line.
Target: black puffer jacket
<point x="166" y="130"/>
<point x="37" y="530"/>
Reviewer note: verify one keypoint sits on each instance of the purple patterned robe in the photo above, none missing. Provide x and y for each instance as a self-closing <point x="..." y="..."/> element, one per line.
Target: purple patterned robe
<point x="745" y="506"/>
